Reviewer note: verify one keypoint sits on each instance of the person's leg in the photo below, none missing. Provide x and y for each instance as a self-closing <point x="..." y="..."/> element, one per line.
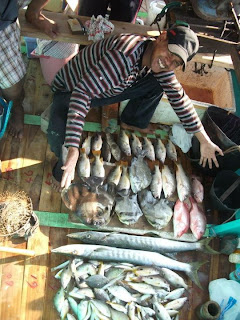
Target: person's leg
<point x="56" y="131"/>
<point x="12" y="71"/>
<point x="144" y="97"/>
<point x="125" y="10"/>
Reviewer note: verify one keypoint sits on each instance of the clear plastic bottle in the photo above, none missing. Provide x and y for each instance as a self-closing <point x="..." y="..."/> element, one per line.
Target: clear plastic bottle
<point x="235" y="275"/>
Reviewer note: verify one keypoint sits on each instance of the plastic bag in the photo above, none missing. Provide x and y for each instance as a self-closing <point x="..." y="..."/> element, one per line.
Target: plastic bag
<point x="226" y="294"/>
<point x="181" y="138"/>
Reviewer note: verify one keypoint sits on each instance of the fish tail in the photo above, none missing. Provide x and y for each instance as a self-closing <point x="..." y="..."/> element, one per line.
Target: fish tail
<point x="193" y="274"/>
<point x="206" y="247"/>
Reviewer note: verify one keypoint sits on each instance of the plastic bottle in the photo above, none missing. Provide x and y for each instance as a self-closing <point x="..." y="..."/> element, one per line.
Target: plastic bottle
<point x="235" y="275"/>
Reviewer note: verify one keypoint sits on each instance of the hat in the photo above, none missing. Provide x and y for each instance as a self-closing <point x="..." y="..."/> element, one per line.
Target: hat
<point x="183" y="42"/>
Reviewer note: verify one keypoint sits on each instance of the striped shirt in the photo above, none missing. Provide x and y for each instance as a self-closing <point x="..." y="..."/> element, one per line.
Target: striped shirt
<point x="105" y="69"/>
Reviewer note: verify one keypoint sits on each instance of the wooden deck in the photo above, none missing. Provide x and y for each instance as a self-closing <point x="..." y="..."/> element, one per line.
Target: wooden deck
<point x="27" y="284"/>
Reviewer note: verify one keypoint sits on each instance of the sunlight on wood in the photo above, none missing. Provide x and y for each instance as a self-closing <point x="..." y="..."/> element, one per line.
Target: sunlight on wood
<point x="18" y="163"/>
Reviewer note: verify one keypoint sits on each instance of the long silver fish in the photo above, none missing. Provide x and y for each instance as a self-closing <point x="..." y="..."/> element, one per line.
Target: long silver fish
<point x="128" y="241"/>
<point x="139" y="257"/>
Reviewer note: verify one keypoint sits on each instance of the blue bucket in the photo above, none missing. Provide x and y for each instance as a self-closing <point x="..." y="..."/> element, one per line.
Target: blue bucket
<point x="4" y="115"/>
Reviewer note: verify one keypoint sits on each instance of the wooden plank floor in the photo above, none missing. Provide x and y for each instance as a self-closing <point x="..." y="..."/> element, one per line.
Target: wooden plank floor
<point x="27" y="284"/>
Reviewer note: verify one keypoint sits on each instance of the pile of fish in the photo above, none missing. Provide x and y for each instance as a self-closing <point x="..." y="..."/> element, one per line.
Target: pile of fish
<point x="161" y="195"/>
<point x="117" y="291"/>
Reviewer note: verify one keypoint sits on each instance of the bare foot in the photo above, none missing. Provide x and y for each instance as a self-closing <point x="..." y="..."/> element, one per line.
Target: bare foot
<point x="16" y="122"/>
<point x="132" y="128"/>
<point x="56" y="186"/>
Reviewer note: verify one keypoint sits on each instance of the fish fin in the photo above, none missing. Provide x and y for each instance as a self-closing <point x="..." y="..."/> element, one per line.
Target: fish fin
<point x="206" y="247"/>
<point x="193" y="274"/>
<point x="96" y="153"/>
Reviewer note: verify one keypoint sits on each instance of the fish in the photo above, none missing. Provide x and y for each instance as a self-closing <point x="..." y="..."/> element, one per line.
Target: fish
<point x="156" y="244"/>
<point x="121" y="293"/>
<point x="175" y="294"/>
<point x="97" y="169"/>
<point x="89" y="201"/>
<point x="160" y="150"/>
<point x="115" y="150"/>
<point x="86" y="145"/>
<point x="173" y="278"/>
<point x="127" y="209"/>
<point x="183" y="183"/>
<point x="169" y="182"/>
<point x="136" y="144"/>
<point x="176" y="304"/>
<point x="124" y="144"/>
<point x="124" y="185"/>
<point x="171" y="151"/>
<point x="161" y="312"/>
<point x="198" y="220"/>
<point x="197" y="189"/>
<point x="149" y="148"/>
<point x="115" y="175"/>
<point x="181" y="218"/>
<point x="157" y="212"/>
<point x="139" y="173"/>
<point x="58" y="299"/>
<point x="156" y="184"/>
<point x="83" y="166"/>
<point x="140" y="257"/>
<point x="96" y="281"/>
<point x="97" y="142"/>
<point x="106" y="152"/>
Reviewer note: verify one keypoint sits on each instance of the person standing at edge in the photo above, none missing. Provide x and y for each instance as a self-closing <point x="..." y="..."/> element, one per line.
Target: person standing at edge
<point x="119" y="68"/>
<point x="12" y="67"/>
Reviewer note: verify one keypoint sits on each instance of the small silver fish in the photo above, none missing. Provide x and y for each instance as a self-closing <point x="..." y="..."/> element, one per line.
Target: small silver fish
<point x="115" y="175"/>
<point x="171" y="151"/>
<point x="87" y="144"/>
<point x="156" y="184"/>
<point x="83" y="166"/>
<point x="124" y="183"/>
<point x="183" y="183"/>
<point x="169" y="182"/>
<point x="124" y="143"/>
<point x="136" y="145"/>
<point x="97" y="142"/>
<point x="160" y="150"/>
<point x="115" y="150"/>
<point x="106" y="152"/>
<point x="97" y="169"/>
<point x="148" y="147"/>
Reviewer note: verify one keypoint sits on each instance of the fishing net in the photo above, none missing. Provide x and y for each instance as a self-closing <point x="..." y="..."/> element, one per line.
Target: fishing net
<point x="16" y="214"/>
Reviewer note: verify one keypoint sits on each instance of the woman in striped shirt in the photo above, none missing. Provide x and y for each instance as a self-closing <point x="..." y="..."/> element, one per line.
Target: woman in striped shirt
<point x="119" y="68"/>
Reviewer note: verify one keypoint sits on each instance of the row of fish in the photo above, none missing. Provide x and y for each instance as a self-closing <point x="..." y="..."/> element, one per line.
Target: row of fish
<point x="118" y="291"/>
<point x="108" y="148"/>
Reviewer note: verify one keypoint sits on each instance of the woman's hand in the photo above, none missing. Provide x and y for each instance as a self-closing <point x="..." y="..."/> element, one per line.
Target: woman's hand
<point x="69" y="167"/>
<point x="208" y="150"/>
<point x="208" y="154"/>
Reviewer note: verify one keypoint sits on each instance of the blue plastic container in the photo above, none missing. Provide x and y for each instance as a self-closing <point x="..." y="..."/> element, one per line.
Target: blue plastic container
<point x="31" y="44"/>
<point x="4" y="116"/>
